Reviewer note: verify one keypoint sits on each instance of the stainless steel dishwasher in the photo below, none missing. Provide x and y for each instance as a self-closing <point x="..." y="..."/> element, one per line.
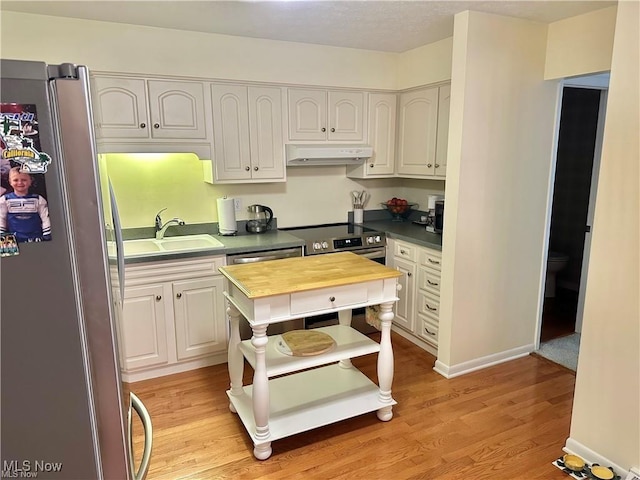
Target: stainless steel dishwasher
<point x="265" y="256"/>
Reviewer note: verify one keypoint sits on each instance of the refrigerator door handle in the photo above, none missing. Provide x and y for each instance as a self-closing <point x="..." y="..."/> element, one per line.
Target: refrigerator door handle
<point x="117" y="231"/>
<point x="142" y="412"/>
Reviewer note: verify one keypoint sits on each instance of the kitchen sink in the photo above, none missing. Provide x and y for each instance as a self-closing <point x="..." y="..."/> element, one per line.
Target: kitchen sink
<point x="189" y="242"/>
<point x="151" y="246"/>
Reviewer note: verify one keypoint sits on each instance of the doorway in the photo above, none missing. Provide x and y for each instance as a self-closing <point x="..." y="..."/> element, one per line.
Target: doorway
<point x="576" y="174"/>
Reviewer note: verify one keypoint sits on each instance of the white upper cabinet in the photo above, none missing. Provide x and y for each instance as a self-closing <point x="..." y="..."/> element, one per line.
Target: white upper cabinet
<point x="444" y="102"/>
<point x="248" y="133"/>
<point x="381" y="136"/>
<point x="135" y="108"/>
<point x="326" y="115"/>
<point x="418" y="126"/>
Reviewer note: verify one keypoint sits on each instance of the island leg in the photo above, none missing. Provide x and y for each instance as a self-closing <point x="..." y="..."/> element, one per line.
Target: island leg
<point x="260" y="394"/>
<point x="344" y="319"/>
<point x="234" y="355"/>
<point x="385" y="361"/>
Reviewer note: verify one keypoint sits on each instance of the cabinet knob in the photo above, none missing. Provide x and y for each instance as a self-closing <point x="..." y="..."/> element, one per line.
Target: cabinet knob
<point x="333" y="129"/>
<point x="143" y="125"/>
<point x="158" y="298"/>
<point x="371" y="165"/>
<point x="437" y="165"/>
<point x="403" y="252"/>
<point x="247" y="168"/>
<point x="156" y="125"/>
<point x="179" y="295"/>
<point x="323" y="129"/>
<point x="409" y="274"/>
<point x="255" y="168"/>
<point x="428" y="165"/>
<point x="332" y="299"/>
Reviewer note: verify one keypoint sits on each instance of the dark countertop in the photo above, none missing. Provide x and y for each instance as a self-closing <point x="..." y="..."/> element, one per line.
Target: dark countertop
<point x="407" y="231"/>
<point x="279" y="239"/>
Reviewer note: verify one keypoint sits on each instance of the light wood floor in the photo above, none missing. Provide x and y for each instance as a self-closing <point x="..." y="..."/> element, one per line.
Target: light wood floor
<point x="505" y="422"/>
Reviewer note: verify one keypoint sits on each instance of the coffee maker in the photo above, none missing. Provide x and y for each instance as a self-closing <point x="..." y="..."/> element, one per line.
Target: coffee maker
<point x="260" y="217"/>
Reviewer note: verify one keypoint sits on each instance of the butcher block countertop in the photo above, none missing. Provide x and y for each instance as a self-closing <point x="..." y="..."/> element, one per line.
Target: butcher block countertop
<point x="290" y="275"/>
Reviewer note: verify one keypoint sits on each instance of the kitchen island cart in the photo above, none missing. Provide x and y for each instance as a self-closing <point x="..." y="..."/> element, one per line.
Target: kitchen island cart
<point x="292" y="394"/>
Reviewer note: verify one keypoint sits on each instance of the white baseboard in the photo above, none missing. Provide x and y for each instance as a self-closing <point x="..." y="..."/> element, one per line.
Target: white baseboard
<point x="576" y="448"/>
<point x="451" y="371"/>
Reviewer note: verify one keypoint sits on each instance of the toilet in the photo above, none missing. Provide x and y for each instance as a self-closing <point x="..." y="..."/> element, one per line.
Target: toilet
<point x="556" y="261"/>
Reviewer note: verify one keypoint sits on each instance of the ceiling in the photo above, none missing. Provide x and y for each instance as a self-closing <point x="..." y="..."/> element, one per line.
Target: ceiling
<point x="389" y="25"/>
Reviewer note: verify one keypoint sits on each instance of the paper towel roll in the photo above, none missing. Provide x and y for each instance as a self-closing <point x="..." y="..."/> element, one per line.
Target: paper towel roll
<point x="226" y="216"/>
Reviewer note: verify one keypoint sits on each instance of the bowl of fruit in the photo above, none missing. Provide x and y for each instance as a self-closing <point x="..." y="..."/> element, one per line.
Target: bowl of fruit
<point x="399" y="208"/>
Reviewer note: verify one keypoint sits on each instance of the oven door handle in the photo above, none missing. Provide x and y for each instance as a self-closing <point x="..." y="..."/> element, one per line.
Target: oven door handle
<point x="372" y="253"/>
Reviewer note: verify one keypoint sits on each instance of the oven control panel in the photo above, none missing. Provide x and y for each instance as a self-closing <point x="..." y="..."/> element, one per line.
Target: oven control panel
<point x="346" y="243"/>
<point x="353" y="244"/>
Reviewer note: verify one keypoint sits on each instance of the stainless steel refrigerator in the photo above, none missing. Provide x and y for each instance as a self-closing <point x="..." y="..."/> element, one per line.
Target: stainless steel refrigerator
<point x="65" y="414"/>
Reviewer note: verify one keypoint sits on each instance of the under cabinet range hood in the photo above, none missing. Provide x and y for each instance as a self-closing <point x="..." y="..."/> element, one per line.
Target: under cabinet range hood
<point x="300" y="155"/>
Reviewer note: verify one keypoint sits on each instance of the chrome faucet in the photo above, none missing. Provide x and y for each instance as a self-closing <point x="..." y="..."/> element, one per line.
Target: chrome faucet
<point x="160" y="228"/>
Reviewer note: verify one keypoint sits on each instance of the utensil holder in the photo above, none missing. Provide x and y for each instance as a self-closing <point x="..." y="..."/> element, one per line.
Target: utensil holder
<point x="358" y="215"/>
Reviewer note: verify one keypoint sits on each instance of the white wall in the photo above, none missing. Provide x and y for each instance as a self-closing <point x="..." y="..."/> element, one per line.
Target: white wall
<point x="134" y="49"/>
<point x="425" y="65"/>
<point x="606" y="407"/>
<point x="499" y="163"/>
<point x="580" y="44"/>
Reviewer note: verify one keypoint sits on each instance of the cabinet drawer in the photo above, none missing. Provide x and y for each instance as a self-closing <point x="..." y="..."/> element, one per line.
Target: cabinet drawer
<point x="428" y="304"/>
<point x="406" y="251"/>
<point x="431" y="259"/>
<point x="326" y="299"/>
<point x="428" y="329"/>
<point x="429" y="280"/>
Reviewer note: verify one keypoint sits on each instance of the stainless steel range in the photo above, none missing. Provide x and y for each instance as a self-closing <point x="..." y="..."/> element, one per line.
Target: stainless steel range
<point x="341" y="237"/>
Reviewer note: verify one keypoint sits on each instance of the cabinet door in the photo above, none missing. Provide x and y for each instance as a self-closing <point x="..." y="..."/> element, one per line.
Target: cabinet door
<point x="444" y="102"/>
<point x="346" y="116"/>
<point x="200" y="320"/>
<point x="307" y="114"/>
<point x="120" y="107"/>
<point x="405" y="316"/>
<point x="177" y="110"/>
<point x="265" y="133"/>
<point x="417" y="132"/>
<point x="382" y="133"/>
<point x="231" y="132"/>
<point x="143" y="327"/>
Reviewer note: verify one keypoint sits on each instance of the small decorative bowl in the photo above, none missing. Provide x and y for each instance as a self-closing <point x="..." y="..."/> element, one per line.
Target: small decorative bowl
<point x="399" y="212"/>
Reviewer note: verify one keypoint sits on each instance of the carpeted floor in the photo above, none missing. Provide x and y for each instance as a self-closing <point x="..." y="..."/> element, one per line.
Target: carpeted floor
<point x="563" y="350"/>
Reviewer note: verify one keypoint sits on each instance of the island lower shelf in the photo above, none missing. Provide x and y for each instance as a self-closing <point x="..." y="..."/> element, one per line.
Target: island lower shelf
<point x="311" y="399"/>
<point x="349" y="344"/>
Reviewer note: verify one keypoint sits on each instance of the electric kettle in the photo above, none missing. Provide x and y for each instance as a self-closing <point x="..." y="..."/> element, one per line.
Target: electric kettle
<point x="260" y="218"/>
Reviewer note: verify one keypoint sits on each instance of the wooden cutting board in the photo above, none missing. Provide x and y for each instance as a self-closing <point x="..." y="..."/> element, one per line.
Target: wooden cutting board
<point x="305" y="343"/>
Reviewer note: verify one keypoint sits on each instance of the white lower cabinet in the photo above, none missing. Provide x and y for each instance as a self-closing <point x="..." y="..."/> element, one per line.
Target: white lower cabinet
<point x="143" y="327"/>
<point x="173" y="317"/>
<point x="197" y="332"/>
<point x="418" y="307"/>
